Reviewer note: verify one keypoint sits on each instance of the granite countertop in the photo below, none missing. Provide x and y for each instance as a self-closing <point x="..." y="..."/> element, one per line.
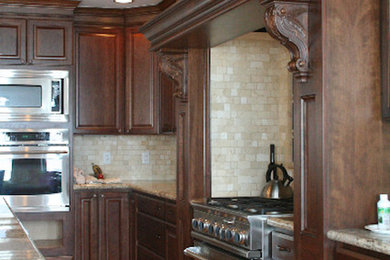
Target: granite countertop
<point x="286" y="223"/>
<point x="164" y="189"/>
<point x="14" y="241"/>
<point x="362" y="238"/>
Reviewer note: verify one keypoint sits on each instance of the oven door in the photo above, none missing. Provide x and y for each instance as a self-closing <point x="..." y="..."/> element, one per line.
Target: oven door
<point x="203" y="251"/>
<point x="35" y="179"/>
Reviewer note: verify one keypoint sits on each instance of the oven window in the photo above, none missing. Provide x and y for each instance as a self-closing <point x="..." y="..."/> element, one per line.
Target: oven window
<point x="24" y="96"/>
<point x="30" y="176"/>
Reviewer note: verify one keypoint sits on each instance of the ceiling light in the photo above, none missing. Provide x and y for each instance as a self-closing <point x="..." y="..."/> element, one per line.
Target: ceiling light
<point x="123" y="1"/>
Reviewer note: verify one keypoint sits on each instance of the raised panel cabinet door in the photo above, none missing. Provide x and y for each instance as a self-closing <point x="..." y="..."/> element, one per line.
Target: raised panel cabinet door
<point x="167" y="104"/>
<point x="86" y="225"/>
<point x="12" y="41"/>
<point x="49" y="42"/>
<point x="114" y="225"/>
<point x="99" y="81"/>
<point x="141" y="91"/>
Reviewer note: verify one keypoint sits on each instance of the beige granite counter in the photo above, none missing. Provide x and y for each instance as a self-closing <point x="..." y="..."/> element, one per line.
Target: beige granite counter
<point x="164" y="189"/>
<point x="362" y="238"/>
<point x="286" y="223"/>
<point x="14" y="241"/>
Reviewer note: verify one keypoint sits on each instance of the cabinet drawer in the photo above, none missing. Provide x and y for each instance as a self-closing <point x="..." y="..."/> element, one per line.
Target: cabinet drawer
<point x="151" y="234"/>
<point x="151" y="206"/>
<point x="170" y="213"/>
<point x="145" y="254"/>
<point x="282" y="246"/>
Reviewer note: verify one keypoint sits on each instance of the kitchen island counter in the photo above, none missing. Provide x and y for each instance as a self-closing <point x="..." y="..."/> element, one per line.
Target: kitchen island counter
<point x="163" y="189"/>
<point x="14" y="241"/>
<point x="362" y="238"/>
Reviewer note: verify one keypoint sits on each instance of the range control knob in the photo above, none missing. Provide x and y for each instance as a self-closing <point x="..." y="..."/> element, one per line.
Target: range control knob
<point x="228" y="234"/>
<point x="222" y="233"/>
<point x="240" y="238"/>
<point x="195" y="223"/>
<point x="206" y="226"/>
<point x="211" y="230"/>
<point x="200" y="224"/>
<point x="217" y="230"/>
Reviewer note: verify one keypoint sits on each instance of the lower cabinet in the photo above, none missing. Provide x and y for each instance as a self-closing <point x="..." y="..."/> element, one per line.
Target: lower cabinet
<point x="155" y="230"/>
<point x="124" y="225"/>
<point x="102" y="225"/>
<point x="347" y="252"/>
<point x="282" y="246"/>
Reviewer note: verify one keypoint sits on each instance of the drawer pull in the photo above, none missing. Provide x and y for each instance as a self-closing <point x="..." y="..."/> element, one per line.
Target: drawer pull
<point x="283" y="249"/>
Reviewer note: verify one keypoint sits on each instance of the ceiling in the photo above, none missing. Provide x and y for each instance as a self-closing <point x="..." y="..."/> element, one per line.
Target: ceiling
<point x="111" y="4"/>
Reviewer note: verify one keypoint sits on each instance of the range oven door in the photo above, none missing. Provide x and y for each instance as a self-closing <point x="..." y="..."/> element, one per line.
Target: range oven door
<point x="203" y="251"/>
<point x="35" y="179"/>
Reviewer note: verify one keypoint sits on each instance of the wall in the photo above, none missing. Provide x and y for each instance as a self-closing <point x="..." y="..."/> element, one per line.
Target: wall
<point x="126" y="153"/>
<point x="251" y="108"/>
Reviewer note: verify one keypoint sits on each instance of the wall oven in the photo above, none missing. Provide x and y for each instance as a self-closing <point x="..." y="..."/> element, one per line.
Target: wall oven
<point x="34" y="169"/>
<point x="34" y="95"/>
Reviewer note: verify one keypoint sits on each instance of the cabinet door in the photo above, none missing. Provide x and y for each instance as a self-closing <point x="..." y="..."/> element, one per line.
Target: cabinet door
<point x="99" y="81"/>
<point x="167" y="104"/>
<point x="49" y="42"/>
<point x="12" y="41"/>
<point x="141" y="64"/>
<point x="86" y="225"/>
<point x="114" y="225"/>
<point x="171" y="248"/>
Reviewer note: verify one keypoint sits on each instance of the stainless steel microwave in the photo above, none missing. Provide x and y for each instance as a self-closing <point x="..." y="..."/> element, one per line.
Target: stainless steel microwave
<point x="34" y="95"/>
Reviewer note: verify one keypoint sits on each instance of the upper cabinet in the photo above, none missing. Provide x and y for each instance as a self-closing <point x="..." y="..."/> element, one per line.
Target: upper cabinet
<point x="99" y="81"/>
<point x="35" y="42"/>
<point x="141" y="89"/>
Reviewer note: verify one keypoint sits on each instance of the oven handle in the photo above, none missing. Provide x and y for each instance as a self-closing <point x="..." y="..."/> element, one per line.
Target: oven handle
<point x="195" y="252"/>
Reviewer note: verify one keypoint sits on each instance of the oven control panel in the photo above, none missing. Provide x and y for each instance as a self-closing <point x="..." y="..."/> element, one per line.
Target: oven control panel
<point x="34" y="137"/>
<point x="222" y="230"/>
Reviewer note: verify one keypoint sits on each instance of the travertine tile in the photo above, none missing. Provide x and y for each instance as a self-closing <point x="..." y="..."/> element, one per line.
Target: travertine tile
<point x="251" y="107"/>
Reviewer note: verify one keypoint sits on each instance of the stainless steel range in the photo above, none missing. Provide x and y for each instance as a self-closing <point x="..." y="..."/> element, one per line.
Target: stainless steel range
<point x="234" y="228"/>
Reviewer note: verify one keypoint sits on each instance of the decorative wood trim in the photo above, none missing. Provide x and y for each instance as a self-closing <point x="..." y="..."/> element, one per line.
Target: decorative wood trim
<point x="174" y="63"/>
<point x="287" y="21"/>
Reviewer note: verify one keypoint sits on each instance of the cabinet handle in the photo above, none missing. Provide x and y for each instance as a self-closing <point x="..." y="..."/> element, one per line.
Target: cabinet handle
<point x="283" y="249"/>
<point x="94" y="195"/>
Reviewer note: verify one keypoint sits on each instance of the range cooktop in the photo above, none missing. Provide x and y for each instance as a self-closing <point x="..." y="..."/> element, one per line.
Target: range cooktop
<point x="253" y="205"/>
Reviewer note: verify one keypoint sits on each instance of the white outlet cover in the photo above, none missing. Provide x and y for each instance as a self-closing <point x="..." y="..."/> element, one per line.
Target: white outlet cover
<point x="145" y="157"/>
<point x="106" y="158"/>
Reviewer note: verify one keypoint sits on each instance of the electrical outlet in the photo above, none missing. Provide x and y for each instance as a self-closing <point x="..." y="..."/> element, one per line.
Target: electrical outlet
<point x="145" y="157"/>
<point x="106" y="158"/>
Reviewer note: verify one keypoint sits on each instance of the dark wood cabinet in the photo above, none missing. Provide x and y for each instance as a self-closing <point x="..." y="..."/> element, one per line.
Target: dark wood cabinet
<point x="282" y="246"/>
<point x="35" y="42"/>
<point x="141" y="90"/>
<point x="347" y="252"/>
<point x="102" y="225"/>
<point x="49" y="42"/>
<point x="12" y="41"/>
<point x="155" y="229"/>
<point x="99" y="81"/>
<point x="167" y="104"/>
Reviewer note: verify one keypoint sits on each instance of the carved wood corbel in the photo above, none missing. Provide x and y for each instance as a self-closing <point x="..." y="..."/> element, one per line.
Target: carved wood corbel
<point x="174" y="64"/>
<point x="287" y="21"/>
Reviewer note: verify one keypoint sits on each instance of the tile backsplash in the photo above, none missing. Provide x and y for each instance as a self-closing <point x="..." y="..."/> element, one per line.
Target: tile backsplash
<point x="126" y="156"/>
<point x="251" y="108"/>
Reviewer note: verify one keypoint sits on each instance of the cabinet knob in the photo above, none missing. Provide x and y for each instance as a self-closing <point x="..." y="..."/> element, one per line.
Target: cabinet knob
<point x="30" y="62"/>
<point x="158" y="236"/>
<point x="23" y="61"/>
<point x="102" y="196"/>
<point x="94" y="195"/>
